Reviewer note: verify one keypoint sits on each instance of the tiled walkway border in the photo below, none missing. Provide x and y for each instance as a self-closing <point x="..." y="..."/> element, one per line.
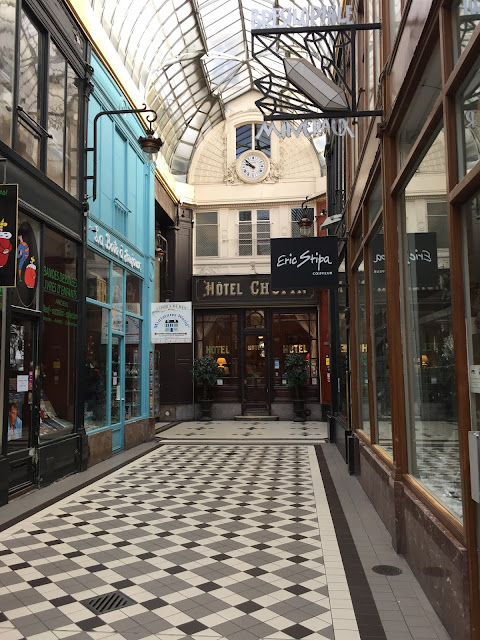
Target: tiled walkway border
<point x="366" y="612"/>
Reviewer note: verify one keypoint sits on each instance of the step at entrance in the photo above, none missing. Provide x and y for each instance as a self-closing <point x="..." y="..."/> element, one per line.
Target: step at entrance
<point x="257" y="417"/>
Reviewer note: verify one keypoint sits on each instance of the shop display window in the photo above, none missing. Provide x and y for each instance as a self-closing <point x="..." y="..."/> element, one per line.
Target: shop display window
<point x="98" y="277"/>
<point x="380" y="370"/>
<point x="432" y="426"/>
<point x="362" y="347"/>
<point x="60" y="318"/>
<point x="217" y="336"/>
<point x="343" y="342"/>
<point x="294" y="333"/>
<point x="133" y="295"/>
<point x="468" y="100"/>
<point x="28" y="249"/>
<point x="466" y="15"/>
<point x="133" y="371"/>
<point x="96" y="367"/>
<point x="117" y="298"/>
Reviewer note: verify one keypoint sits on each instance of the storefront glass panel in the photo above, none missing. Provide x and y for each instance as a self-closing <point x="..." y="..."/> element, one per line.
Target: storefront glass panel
<point x="29" y="254"/>
<point x="133" y="371"/>
<point x="364" y="412"/>
<point x="468" y="102"/>
<point x="60" y="317"/>
<point x="432" y="439"/>
<point x="294" y="333"/>
<point x="117" y="298"/>
<point x="133" y="295"/>
<point x="466" y="15"/>
<point x="343" y="343"/>
<point x="217" y="336"/>
<point x="381" y="375"/>
<point x="96" y="365"/>
<point x="7" y="59"/>
<point x="98" y="277"/>
<point x="472" y="238"/>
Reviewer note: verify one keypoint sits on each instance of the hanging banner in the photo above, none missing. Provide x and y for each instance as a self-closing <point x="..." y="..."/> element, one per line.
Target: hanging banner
<point x="8" y="234"/>
<point x="305" y="262"/>
<point x="171" y="322"/>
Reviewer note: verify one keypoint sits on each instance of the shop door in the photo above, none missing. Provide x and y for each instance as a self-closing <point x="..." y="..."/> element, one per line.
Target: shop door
<point x="23" y="402"/>
<point x="117" y="393"/>
<point x="255" y="390"/>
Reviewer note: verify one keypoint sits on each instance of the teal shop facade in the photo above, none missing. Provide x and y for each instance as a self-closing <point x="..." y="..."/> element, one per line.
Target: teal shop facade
<point x="120" y="245"/>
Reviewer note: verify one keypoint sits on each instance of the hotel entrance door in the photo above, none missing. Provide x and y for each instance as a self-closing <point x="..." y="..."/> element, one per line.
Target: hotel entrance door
<point x="255" y="388"/>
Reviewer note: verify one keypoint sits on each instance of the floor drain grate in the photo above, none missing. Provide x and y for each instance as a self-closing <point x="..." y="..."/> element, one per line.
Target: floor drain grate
<point x="108" y="602"/>
<point x="387" y="570"/>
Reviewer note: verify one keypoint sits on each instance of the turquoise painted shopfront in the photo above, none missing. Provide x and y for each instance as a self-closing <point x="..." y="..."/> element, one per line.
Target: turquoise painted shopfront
<point x="119" y="274"/>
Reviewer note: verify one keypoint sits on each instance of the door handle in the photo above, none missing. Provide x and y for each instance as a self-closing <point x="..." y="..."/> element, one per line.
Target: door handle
<point x="123" y="399"/>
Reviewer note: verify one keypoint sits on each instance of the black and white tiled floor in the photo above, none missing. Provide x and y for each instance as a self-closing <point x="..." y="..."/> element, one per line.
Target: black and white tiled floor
<point x="209" y="541"/>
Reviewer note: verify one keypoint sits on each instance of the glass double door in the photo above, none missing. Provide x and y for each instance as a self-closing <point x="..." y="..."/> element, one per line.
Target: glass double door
<point x="255" y="388"/>
<point x="117" y="404"/>
<point x="23" y="401"/>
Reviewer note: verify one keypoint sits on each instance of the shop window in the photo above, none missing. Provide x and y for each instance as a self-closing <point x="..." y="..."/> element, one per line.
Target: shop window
<point x="117" y="298"/>
<point x="295" y="333"/>
<point x="246" y="139"/>
<point x="254" y="233"/>
<point x="380" y="370"/>
<point x="29" y="262"/>
<point x="47" y="132"/>
<point x="206" y="233"/>
<point x="95" y="414"/>
<point x="362" y="350"/>
<point x="343" y="342"/>
<point x="217" y="336"/>
<point x="98" y="277"/>
<point x="425" y="96"/>
<point x="60" y="318"/>
<point x="466" y="15"/>
<point x="373" y="53"/>
<point x="375" y="201"/>
<point x="7" y="60"/>
<point x="395" y="9"/>
<point x="133" y="294"/>
<point x="468" y="107"/>
<point x="133" y="370"/>
<point x="432" y="437"/>
<point x="296" y="215"/>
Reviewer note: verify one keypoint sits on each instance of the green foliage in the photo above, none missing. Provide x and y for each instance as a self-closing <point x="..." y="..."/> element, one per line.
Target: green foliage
<point x="205" y="372"/>
<point x="296" y="370"/>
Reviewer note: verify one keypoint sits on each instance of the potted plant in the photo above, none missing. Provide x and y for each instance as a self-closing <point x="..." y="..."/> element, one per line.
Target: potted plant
<point x="297" y="376"/>
<point x="206" y="372"/>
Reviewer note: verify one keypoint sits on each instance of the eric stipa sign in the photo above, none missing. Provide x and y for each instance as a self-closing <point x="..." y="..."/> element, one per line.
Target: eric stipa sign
<point x="305" y="262"/>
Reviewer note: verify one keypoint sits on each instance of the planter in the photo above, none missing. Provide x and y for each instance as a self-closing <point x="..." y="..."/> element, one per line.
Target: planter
<point x="301" y="413"/>
<point x="206" y="409"/>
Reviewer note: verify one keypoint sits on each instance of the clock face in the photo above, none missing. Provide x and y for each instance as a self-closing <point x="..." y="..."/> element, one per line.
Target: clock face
<point x="253" y="166"/>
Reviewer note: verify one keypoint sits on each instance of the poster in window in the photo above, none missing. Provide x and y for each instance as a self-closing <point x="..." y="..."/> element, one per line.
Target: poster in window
<point x="27" y="261"/>
<point x="8" y="233"/>
<point x="17" y="347"/>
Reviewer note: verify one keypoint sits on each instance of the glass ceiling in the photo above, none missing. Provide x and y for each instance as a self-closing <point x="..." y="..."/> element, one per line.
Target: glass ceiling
<point x="189" y="58"/>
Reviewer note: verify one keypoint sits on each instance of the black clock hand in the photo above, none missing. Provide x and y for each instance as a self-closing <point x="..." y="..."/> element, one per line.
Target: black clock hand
<point x="252" y="166"/>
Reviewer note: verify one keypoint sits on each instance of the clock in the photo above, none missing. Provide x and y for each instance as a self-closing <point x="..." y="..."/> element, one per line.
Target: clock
<point x="253" y="166"/>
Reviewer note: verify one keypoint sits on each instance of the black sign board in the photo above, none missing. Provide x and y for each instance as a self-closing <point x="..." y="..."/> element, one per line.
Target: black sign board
<point x="8" y="234"/>
<point x="305" y="262"/>
<point x="421" y="260"/>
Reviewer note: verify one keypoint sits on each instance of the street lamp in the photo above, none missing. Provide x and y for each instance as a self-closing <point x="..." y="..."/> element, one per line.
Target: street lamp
<point x="305" y="222"/>
<point x="149" y="143"/>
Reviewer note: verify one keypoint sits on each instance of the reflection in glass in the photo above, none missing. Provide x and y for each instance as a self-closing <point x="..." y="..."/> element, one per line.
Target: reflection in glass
<point x="217" y="336"/>
<point x="472" y="237"/>
<point x="116" y="380"/>
<point x="433" y="453"/>
<point x="133" y="294"/>
<point x="466" y="15"/>
<point x="380" y="370"/>
<point x="343" y="342"/>
<point x="20" y="384"/>
<point x="96" y="364"/>
<point x="71" y="133"/>
<point x="7" y="59"/>
<point x="98" y="277"/>
<point x="364" y="413"/>
<point x="56" y="114"/>
<point x="468" y="102"/>
<point x="133" y="371"/>
<point x="295" y="333"/>
<point x="117" y="299"/>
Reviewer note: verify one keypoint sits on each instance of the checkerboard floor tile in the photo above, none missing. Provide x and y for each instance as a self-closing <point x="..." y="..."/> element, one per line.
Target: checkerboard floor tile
<point x="210" y="542"/>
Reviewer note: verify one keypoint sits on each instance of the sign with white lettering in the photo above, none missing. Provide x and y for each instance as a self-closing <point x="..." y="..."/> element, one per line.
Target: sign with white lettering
<point x="171" y="322"/>
<point x="104" y="241"/>
<point x="308" y="262"/>
<point x="309" y="128"/>
<point x="309" y="16"/>
<point x="243" y="291"/>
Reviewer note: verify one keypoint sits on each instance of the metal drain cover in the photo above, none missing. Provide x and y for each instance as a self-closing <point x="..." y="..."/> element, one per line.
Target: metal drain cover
<point x="108" y="602"/>
<point x="387" y="570"/>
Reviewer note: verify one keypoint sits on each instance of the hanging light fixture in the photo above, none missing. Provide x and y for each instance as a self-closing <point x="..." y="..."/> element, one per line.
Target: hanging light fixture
<point x="305" y="222"/>
<point x="150" y="144"/>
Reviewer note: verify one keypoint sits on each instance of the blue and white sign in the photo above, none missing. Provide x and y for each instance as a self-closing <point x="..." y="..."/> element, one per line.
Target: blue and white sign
<point x="171" y="322"/>
<point x="105" y="242"/>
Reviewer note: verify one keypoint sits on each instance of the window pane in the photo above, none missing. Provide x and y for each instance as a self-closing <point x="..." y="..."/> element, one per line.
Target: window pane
<point x="432" y="407"/>
<point x="60" y="315"/>
<point x="96" y="373"/>
<point x="217" y="336"/>
<point x="134" y="294"/>
<point x="294" y="333"/>
<point x="343" y="341"/>
<point x="28" y="90"/>
<point x="469" y="127"/>
<point x="56" y="114"/>
<point x="117" y="298"/>
<point x="263" y="142"/>
<point x="7" y="60"/>
<point x="466" y="14"/>
<point x="28" y="144"/>
<point x="381" y="374"/>
<point x="364" y="412"/>
<point x="375" y="200"/>
<point x="243" y="139"/>
<point x="206" y="234"/>
<point x="98" y="277"/>
<point x="245" y="233"/>
<point x="133" y="372"/>
<point x="71" y="133"/>
<point x="263" y="233"/>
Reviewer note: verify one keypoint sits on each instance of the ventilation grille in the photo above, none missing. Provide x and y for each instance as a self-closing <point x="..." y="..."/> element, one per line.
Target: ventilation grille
<point x="108" y="602"/>
<point x="387" y="570"/>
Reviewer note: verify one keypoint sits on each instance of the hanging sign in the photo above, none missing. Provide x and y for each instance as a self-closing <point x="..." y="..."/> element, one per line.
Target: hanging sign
<point x="309" y="16"/>
<point x="112" y="247"/>
<point x="306" y="262"/>
<point x="309" y="128"/>
<point x="171" y="322"/>
<point x="8" y="233"/>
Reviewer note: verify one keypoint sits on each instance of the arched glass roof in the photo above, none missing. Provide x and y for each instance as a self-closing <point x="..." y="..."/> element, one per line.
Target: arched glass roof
<point x="189" y="58"/>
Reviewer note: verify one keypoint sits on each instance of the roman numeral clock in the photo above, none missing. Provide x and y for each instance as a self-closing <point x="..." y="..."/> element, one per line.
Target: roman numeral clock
<point x="253" y="166"/>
